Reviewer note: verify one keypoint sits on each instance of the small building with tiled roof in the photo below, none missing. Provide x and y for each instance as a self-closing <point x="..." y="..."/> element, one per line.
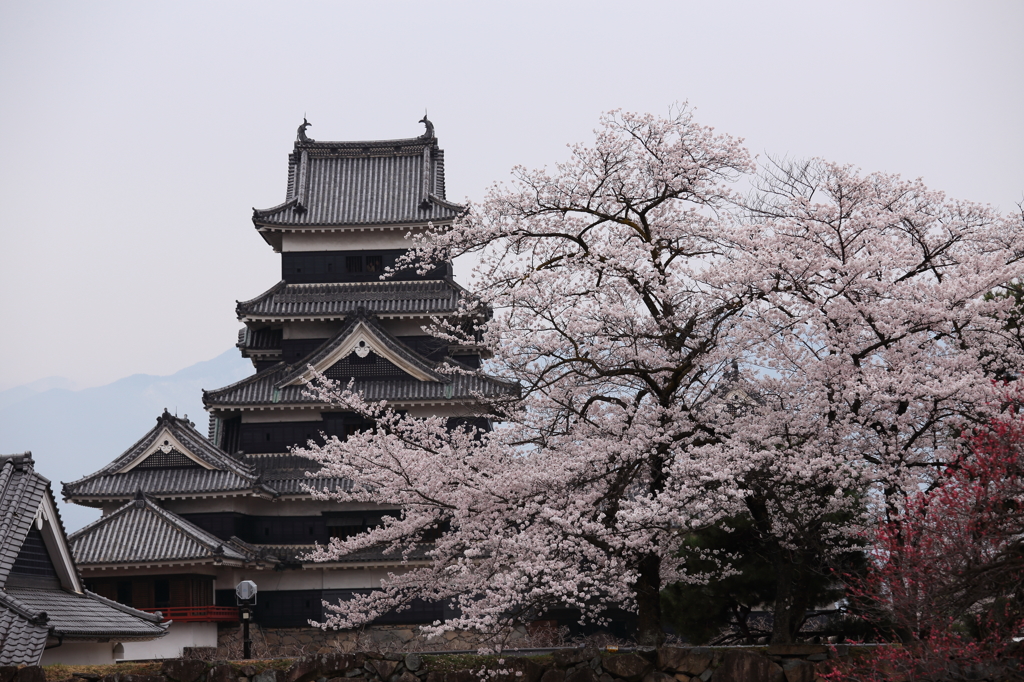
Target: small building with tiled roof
<point x="185" y="517"/>
<point x="46" y="614"/>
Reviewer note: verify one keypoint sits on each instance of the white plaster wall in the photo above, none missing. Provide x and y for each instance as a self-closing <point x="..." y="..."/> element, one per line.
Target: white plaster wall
<point x="309" y="579"/>
<point x="178" y="636"/>
<point x="346" y="241"/>
<point x="80" y="653"/>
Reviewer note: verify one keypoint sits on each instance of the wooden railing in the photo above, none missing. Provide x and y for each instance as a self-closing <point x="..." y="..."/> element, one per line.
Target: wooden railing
<point x="203" y="614"/>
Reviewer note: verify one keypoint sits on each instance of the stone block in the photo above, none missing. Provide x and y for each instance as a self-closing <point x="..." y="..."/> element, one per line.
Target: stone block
<point x="582" y="674"/>
<point x="630" y="667"/>
<point x="30" y="673"/>
<point x="798" y="671"/>
<point x="564" y="658"/>
<point x="7" y="672"/>
<point x="817" y="657"/>
<point x="269" y="675"/>
<point x="143" y="678"/>
<point x="413" y="662"/>
<point x="383" y="668"/>
<point x="222" y="673"/>
<point x="406" y="676"/>
<point x="743" y="666"/>
<point x="683" y="660"/>
<point x="656" y="676"/>
<point x="553" y="675"/>
<point x="680" y="677"/>
<point x="310" y="668"/>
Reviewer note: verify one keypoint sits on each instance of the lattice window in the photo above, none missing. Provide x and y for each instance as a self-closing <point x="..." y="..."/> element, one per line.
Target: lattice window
<point x="372" y="366"/>
<point x="174" y="459"/>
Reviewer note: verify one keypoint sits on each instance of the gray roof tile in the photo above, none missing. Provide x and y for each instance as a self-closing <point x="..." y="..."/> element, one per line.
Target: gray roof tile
<point x="22" y="633"/>
<point x="286" y="474"/>
<point x="262" y="389"/>
<point x="380" y="335"/>
<point x="21" y="492"/>
<point x="141" y="532"/>
<point x="270" y="386"/>
<point x="89" y="616"/>
<point x="228" y="473"/>
<point x="378" y="182"/>
<point x="27" y="614"/>
<point x="338" y="300"/>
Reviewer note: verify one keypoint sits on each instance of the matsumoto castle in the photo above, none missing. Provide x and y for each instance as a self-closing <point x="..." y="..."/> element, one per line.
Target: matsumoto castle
<point x="186" y="515"/>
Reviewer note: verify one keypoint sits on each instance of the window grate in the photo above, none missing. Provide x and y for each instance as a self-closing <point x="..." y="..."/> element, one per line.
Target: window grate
<point x="167" y="460"/>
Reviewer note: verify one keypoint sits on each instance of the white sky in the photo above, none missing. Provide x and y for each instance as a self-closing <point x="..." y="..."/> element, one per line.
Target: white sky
<point x="136" y="136"/>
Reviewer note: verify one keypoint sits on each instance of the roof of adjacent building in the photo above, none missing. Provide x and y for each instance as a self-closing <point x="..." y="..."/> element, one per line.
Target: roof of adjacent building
<point x="21" y="493"/>
<point x="208" y="470"/>
<point x="378" y="182"/>
<point x="89" y="616"/>
<point x="142" y="532"/>
<point x="332" y="301"/>
<point x="31" y="613"/>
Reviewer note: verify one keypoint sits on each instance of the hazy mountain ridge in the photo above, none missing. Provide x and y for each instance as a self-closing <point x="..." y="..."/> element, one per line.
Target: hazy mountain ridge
<point x="73" y="433"/>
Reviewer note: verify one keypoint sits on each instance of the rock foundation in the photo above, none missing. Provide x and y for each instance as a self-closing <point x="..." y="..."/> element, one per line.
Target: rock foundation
<point x="790" y="663"/>
<point x="290" y="642"/>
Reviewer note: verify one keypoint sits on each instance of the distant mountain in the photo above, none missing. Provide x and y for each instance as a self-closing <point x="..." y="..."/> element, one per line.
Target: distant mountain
<point x="73" y="433"/>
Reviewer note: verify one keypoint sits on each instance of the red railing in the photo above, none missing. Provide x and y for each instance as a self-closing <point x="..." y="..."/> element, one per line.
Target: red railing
<point x="204" y="614"/>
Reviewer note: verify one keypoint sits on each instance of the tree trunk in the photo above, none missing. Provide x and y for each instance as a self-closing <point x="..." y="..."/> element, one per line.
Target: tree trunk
<point x="790" y="600"/>
<point x="648" y="602"/>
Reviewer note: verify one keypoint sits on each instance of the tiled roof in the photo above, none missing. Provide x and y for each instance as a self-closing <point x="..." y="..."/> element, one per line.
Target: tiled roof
<point x="89" y="616"/>
<point x="228" y="473"/>
<point x="29" y="614"/>
<point x="378" y="182"/>
<point x="378" y="334"/>
<point x="271" y="386"/>
<point x="259" y="341"/>
<point x="159" y="483"/>
<point x="338" y="300"/>
<point x="286" y="474"/>
<point x="23" y="632"/>
<point x="262" y="389"/>
<point x="21" y="492"/>
<point x="141" y="532"/>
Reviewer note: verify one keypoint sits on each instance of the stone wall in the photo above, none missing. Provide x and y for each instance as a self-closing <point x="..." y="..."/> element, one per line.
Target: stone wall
<point x="793" y="663"/>
<point x="288" y="642"/>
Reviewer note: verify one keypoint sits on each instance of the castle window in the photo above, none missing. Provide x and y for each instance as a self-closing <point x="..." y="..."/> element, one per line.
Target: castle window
<point x="354" y="264"/>
<point x="375" y="264"/>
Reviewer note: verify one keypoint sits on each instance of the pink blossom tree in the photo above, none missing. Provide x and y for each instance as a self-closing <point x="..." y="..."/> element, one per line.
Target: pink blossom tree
<point x="626" y="287"/>
<point x="875" y="348"/>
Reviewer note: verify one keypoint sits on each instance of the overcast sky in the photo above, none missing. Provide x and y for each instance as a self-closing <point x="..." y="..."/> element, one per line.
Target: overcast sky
<point x="135" y="137"/>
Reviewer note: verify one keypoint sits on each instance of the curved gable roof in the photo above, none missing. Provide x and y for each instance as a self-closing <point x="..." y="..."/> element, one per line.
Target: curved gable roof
<point x="213" y="470"/>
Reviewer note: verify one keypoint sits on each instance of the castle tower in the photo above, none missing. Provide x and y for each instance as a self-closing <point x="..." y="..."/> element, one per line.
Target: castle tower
<point x="237" y="498"/>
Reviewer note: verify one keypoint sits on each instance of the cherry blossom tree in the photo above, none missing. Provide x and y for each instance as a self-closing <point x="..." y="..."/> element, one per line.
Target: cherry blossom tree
<point x="875" y="346"/>
<point x="684" y="355"/>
